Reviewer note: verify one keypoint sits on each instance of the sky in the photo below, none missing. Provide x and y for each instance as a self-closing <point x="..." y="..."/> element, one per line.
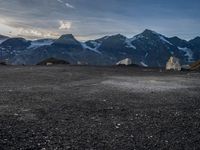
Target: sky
<point x="91" y="19"/>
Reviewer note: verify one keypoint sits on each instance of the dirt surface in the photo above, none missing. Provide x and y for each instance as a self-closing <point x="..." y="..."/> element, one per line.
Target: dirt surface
<point x="73" y="107"/>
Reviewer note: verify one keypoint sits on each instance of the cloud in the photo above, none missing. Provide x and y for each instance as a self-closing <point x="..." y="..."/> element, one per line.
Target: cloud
<point x="66" y="4"/>
<point x="65" y="25"/>
<point x="60" y="1"/>
<point x="87" y="18"/>
<point x="36" y="33"/>
<point x="69" y="5"/>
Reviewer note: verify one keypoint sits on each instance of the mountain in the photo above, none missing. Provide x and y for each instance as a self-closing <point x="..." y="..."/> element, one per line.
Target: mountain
<point x="195" y="44"/>
<point x="148" y="48"/>
<point x="12" y="48"/>
<point x="3" y="38"/>
<point x="42" y="42"/>
<point x="65" y="48"/>
<point x="195" y="41"/>
<point x="178" y="42"/>
<point x="67" y="39"/>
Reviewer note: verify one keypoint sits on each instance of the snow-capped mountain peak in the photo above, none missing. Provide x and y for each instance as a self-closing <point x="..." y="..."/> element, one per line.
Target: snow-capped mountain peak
<point x="151" y="35"/>
<point x="147" y="49"/>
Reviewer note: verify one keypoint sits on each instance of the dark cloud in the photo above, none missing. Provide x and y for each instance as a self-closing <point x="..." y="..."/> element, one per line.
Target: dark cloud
<point x="95" y="18"/>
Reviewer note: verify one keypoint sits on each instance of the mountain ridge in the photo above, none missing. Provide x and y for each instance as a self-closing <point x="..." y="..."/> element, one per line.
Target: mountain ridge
<point x="148" y="48"/>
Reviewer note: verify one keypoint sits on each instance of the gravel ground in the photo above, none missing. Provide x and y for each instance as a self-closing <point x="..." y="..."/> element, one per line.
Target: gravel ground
<point x="74" y="107"/>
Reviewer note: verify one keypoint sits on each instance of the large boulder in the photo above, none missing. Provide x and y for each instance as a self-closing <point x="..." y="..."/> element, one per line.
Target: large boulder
<point x="125" y="62"/>
<point x="173" y="64"/>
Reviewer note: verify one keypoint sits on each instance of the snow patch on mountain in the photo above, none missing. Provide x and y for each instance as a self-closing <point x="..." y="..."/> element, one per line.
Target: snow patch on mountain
<point x="95" y="44"/>
<point x="36" y="44"/>
<point x="105" y="38"/>
<point x="147" y="54"/>
<point x="164" y="40"/>
<point x="188" y="53"/>
<point x="140" y="36"/>
<point x="1" y="41"/>
<point x="129" y="43"/>
<point x="143" y="64"/>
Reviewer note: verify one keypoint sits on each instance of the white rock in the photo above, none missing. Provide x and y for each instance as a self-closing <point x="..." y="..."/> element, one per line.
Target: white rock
<point x="173" y="64"/>
<point x="126" y="62"/>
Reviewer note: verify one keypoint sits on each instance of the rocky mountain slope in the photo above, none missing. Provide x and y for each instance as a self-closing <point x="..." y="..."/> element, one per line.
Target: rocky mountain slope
<point x="146" y="49"/>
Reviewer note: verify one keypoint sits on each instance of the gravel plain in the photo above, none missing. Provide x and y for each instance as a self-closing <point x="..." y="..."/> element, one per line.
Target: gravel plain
<point x="97" y="108"/>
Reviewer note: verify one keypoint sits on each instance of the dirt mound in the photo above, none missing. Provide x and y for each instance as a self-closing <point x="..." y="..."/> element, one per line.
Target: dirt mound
<point x="53" y="61"/>
<point x="2" y="63"/>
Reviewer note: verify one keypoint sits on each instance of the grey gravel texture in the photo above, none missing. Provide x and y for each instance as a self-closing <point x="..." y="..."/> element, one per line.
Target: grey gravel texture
<point x="81" y="107"/>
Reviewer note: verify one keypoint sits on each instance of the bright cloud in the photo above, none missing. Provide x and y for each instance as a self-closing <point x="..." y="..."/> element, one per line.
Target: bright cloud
<point x="69" y="5"/>
<point x="66" y="4"/>
<point x="36" y="33"/>
<point x="65" y="25"/>
<point x="60" y="1"/>
<point x="93" y="19"/>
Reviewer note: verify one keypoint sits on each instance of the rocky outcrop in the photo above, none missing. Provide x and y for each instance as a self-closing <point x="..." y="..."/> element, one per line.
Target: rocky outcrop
<point x="173" y="64"/>
<point x="125" y="62"/>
